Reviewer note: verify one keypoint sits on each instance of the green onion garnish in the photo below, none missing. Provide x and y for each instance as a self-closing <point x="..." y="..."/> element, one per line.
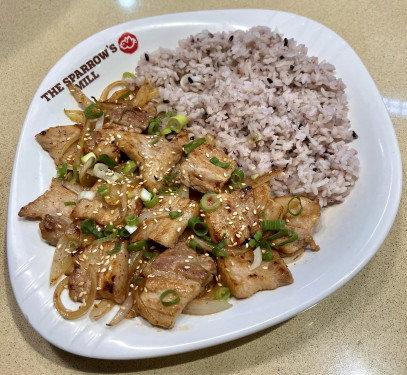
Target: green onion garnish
<point x="171" y="177"/>
<point x="194" y="246"/>
<point x="105" y="159"/>
<point x="123" y="232"/>
<point x="199" y="227"/>
<point x="237" y="177"/>
<point x="279" y="234"/>
<point x="136" y="280"/>
<point x="175" y="214"/>
<point x="210" y="202"/>
<point x="268" y="254"/>
<point x="62" y="170"/>
<point x="74" y="174"/>
<point x="86" y="157"/>
<point x="109" y="229"/>
<point x="288" y="205"/>
<point x="72" y="246"/>
<point x="70" y="203"/>
<point x="222" y="293"/>
<point x="125" y="95"/>
<point x="148" y="255"/>
<point x="138" y="246"/>
<point x="257" y="236"/>
<point x="90" y="112"/>
<point x="115" y="250"/>
<point x="177" y="122"/>
<point x="155" y="122"/>
<point x="152" y="202"/>
<point x="272" y="224"/>
<point x="166" y="190"/>
<point x="173" y="301"/>
<point x="125" y="111"/>
<point x="88" y="226"/>
<point x="103" y="190"/>
<point x="217" y="249"/>
<point x="253" y="138"/>
<point x="130" y="167"/>
<point x="155" y="141"/>
<point x="218" y="163"/>
<point x="165" y="131"/>
<point x="293" y="237"/>
<point x="189" y="147"/>
<point x="127" y="75"/>
<point x="131" y="220"/>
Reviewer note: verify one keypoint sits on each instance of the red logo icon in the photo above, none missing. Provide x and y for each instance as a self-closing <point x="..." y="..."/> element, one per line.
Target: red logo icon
<point x="128" y="43"/>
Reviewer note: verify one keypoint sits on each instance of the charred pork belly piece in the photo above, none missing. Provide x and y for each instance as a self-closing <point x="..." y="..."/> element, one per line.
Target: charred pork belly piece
<point x="199" y="173"/>
<point x="236" y="274"/>
<point x="155" y="159"/>
<point x="160" y="227"/>
<point x="178" y="274"/>
<point x="107" y="209"/>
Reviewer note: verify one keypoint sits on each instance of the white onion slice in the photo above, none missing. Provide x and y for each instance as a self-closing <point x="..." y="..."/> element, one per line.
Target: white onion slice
<point x="99" y="123"/>
<point x="102" y="171"/>
<point x="130" y="229"/>
<point x="86" y="194"/>
<point x="205" y="307"/>
<point x="123" y="310"/>
<point x="162" y="108"/>
<point x="257" y="258"/>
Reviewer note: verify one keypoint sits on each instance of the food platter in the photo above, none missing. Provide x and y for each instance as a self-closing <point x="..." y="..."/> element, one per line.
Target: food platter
<point x="349" y="234"/>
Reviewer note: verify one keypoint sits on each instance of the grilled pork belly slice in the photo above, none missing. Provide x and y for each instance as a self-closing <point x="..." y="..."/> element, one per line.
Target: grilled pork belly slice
<point x="303" y="224"/>
<point x="112" y="272"/>
<point x="236" y="274"/>
<point x="166" y="231"/>
<point x="154" y="160"/>
<point x="59" y="142"/>
<point x="107" y="209"/>
<point x="236" y="217"/>
<point x="179" y="269"/>
<point x="198" y="173"/>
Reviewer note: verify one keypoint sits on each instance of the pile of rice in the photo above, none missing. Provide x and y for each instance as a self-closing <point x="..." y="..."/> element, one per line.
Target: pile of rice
<point x="269" y="105"/>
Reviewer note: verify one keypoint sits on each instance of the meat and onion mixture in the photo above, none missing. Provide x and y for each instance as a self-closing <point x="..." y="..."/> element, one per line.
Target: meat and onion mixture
<point x="148" y="218"/>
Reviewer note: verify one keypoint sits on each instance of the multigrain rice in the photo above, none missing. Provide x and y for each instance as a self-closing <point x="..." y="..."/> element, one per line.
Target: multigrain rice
<point x="269" y="105"/>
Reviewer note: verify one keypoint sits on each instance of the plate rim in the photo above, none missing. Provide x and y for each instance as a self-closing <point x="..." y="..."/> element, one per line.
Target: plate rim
<point x="390" y="210"/>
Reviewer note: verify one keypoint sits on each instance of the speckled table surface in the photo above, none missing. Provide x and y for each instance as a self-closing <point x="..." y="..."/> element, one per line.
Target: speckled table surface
<point x="360" y="329"/>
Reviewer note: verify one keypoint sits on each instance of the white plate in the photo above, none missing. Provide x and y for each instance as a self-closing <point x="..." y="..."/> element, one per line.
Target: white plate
<point x="350" y="235"/>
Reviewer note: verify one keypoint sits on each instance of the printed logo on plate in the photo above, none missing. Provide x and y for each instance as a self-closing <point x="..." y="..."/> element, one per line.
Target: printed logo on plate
<point x="128" y="43"/>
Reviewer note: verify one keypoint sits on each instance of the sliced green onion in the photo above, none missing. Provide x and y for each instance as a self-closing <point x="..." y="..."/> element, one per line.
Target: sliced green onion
<point x="253" y="138"/>
<point x="123" y="232"/>
<point x="91" y="114"/>
<point x="176" y="123"/>
<point x="171" y="177"/>
<point x="148" y="255"/>
<point x="272" y="224"/>
<point x="237" y="177"/>
<point x="125" y="95"/>
<point x="191" y="146"/>
<point x="222" y="293"/>
<point x="115" y="250"/>
<point x="127" y="75"/>
<point x="155" y="141"/>
<point x="268" y="254"/>
<point x="138" y="246"/>
<point x="74" y="174"/>
<point x="152" y="202"/>
<point x="166" y="190"/>
<point x="217" y="249"/>
<point x="131" y="220"/>
<point x="254" y="176"/>
<point x="253" y="243"/>
<point x="173" y="301"/>
<point x="137" y="279"/>
<point x="70" y="203"/>
<point x="62" y="170"/>
<point x="153" y="127"/>
<point x="125" y="111"/>
<point x="194" y="246"/>
<point x="145" y="195"/>
<point x="131" y="194"/>
<point x="105" y="159"/>
<point x="103" y="190"/>
<point x="257" y="236"/>
<point x="175" y="214"/>
<point x="72" y="246"/>
<point x="199" y="227"/>
<point x="210" y="202"/>
<point x="165" y="131"/>
<point x="218" y="163"/>
<point x="279" y="234"/>
<point x="86" y="157"/>
<point x="88" y="226"/>
<point x="288" y="206"/>
<point x="109" y="229"/>
<point x="293" y="237"/>
<point x="130" y="167"/>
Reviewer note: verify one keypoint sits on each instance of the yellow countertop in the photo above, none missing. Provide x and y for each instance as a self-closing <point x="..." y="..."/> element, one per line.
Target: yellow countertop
<point x="360" y="329"/>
